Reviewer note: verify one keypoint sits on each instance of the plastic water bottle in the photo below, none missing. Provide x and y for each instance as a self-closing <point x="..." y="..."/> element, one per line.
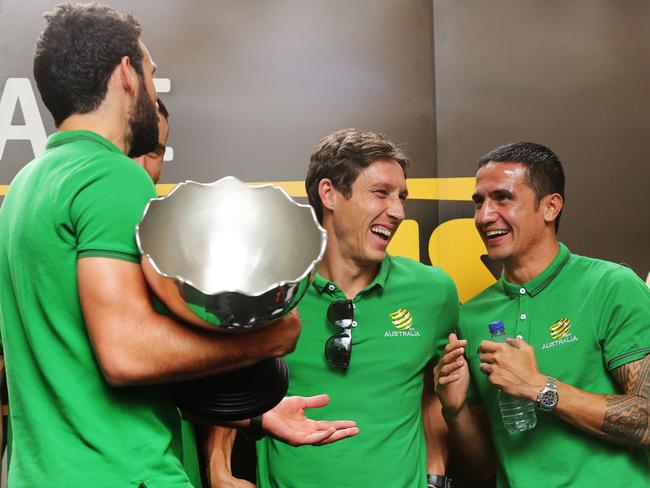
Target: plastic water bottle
<point x="518" y="414"/>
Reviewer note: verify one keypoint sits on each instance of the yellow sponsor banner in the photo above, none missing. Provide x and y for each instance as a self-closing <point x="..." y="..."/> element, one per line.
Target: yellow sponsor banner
<point x="419" y="188"/>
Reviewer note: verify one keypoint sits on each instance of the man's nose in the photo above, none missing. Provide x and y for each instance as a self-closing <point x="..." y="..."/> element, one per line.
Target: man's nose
<point x="485" y="213"/>
<point x="396" y="209"/>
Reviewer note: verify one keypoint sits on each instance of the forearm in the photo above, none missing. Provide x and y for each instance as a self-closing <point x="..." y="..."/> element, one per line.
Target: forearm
<point x="435" y="431"/>
<point x="216" y="449"/>
<point x="161" y="350"/>
<point x="135" y="345"/>
<point x="470" y="437"/>
<point x="617" y="418"/>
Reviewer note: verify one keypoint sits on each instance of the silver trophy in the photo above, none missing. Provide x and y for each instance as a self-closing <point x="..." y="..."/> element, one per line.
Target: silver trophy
<point x="230" y="258"/>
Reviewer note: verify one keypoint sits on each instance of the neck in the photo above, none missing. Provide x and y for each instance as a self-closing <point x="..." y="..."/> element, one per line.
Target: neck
<point x="527" y="267"/>
<point x="350" y="276"/>
<point x="110" y="124"/>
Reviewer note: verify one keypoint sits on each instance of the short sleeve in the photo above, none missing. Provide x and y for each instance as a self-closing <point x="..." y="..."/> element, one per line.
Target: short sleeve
<point x="625" y="318"/>
<point x="105" y="212"/>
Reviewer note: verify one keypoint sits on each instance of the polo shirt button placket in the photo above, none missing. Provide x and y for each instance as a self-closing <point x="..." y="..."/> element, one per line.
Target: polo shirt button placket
<point x="521" y="330"/>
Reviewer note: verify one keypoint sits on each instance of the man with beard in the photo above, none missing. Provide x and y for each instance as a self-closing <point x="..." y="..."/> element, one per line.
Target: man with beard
<point x="152" y="162"/>
<point x="76" y="321"/>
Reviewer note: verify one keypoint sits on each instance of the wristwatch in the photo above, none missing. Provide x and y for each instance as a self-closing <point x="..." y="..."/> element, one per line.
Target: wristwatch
<point x="439" y="481"/>
<point x="548" y="397"/>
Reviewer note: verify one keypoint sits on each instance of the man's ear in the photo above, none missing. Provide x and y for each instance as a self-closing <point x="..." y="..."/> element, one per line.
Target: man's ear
<point x="327" y="193"/>
<point x="552" y="205"/>
<point x="127" y="75"/>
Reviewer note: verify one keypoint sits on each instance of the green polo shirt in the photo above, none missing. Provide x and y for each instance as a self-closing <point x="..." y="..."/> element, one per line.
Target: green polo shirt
<point x="81" y="197"/>
<point x="403" y="317"/>
<point x="584" y="317"/>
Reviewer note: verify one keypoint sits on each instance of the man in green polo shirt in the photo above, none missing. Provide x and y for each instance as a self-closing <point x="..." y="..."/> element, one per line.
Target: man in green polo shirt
<point x="372" y="324"/>
<point x="83" y="346"/>
<point x="581" y="351"/>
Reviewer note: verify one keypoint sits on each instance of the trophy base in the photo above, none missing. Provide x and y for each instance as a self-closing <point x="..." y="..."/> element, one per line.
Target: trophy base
<point x="238" y="395"/>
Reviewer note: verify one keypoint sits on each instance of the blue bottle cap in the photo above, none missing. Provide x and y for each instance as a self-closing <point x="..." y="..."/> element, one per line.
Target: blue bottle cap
<point x="495" y="326"/>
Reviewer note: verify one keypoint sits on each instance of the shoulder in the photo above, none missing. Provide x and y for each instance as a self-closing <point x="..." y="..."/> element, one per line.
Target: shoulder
<point x="599" y="273"/>
<point x="403" y="268"/>
<point x="119" y="174"/>
<point x="485" y="298"/>
<point x="473" y="311"/>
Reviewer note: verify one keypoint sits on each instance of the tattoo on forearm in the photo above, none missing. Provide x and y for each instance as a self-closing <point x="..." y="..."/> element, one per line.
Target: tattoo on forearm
<point x="627" y="416"/>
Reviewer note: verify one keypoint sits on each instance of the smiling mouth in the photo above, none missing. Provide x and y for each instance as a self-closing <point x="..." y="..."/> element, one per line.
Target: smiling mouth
<point x="495" y="234"/>
<point x="381" y="232"/>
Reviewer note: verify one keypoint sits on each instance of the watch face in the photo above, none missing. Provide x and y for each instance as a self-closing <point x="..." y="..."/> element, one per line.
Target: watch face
<point x="548" y="399"/>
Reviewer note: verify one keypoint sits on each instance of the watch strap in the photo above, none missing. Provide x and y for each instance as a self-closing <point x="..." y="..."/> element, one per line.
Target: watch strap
<point x="439" y="481"/>
<point x="254" y="430"/>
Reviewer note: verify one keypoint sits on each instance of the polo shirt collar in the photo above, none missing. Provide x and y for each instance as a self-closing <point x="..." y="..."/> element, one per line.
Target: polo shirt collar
<point x="321" y="284"/>
<point x="67" y="136"/>
<point x="542" y="280"/>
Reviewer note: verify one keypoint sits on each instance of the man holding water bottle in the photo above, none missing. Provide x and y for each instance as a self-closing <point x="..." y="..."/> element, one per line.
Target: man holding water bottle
<point x="579" y="347"/>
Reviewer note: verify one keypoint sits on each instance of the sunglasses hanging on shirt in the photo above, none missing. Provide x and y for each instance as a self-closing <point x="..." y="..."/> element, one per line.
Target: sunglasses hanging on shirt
<point x="338" y="348"/>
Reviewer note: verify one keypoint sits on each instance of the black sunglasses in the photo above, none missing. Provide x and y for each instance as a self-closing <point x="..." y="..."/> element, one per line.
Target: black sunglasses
<point x="338" y="348"/>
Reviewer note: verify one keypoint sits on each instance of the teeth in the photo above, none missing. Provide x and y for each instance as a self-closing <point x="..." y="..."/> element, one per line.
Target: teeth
<point x="492" y="233"/>
<point x="381" y="230"/>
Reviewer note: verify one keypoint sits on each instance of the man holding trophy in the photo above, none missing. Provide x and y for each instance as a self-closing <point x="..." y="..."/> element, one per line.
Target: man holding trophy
<point x="84" y="348"/>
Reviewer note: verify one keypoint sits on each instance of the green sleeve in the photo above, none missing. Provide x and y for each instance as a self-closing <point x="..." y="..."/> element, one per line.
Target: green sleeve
<point x="625" y="319"/>
<point x="104" y="212"/>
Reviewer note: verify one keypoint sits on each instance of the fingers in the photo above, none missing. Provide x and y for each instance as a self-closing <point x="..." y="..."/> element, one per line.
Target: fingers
<point x="517" y="343"/>
<point x="485" y="368"/>
<point x="337" y="435"/>
<point x="450" y="368"/>
<point x="454" y="343"/>
<point x="316" y="401"/>
<point x="488" y="357"/>
<point x="489" y="346"/>
<point x="337" y="424"/>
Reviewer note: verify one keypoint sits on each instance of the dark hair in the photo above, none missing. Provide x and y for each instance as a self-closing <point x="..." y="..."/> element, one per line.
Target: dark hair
<point x="162" y="109"/>
<point x="544" y="172"/>
<point x="341" y="156"/>
<point x="77" y="52"/>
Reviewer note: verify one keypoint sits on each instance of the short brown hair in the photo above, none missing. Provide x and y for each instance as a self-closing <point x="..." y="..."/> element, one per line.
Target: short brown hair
<point x="342" y="155"/>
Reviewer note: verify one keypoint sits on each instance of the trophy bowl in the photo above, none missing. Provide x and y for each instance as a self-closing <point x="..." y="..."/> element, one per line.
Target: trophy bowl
<point x="229" y="257"/>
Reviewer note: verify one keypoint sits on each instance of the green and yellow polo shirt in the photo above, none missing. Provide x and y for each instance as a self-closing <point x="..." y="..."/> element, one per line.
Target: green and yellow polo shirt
<point x="403" y="317"/>
<point x="584" y="317"/>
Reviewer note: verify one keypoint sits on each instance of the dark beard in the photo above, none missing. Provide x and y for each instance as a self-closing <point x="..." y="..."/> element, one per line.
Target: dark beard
<point x="143" y="123"/>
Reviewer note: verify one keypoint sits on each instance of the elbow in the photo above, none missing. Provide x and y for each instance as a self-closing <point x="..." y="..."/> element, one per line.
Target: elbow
<point x="119" y="370"/>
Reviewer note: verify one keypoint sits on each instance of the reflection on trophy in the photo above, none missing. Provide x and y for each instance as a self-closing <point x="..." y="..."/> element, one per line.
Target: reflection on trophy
<point x="230" y="258"/>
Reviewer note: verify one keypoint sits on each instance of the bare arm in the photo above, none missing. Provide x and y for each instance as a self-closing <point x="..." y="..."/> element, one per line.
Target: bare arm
<point x="135" y="345"/>
<point x="217" y="450"/>
<point x="435" y="428"/>
<point x="468" y="427"/>
<point x="618" y="418"/>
